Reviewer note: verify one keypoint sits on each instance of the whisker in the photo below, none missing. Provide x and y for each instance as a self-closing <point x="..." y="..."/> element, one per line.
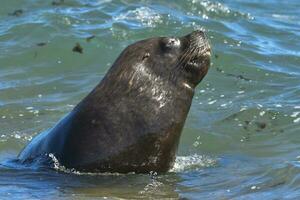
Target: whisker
<point x="191" y="56"/>
<point x="184" y="57"/>
<point x="191" y="53"/>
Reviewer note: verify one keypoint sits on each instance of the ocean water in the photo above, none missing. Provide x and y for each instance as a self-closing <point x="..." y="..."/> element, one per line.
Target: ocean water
<point x="241" y="139"/>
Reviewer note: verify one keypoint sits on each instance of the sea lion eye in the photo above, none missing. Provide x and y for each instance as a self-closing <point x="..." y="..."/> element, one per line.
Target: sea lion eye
<point x="145" y="56"/>
<point x="170" y="43"/>
<point x="173" y="42"/>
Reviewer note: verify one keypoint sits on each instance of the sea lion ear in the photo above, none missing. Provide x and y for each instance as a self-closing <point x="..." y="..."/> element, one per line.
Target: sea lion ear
<point x="146" y="55"/>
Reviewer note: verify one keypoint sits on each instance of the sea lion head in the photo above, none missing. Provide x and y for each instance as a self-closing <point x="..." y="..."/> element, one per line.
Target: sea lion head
<point x="183" y="61"/>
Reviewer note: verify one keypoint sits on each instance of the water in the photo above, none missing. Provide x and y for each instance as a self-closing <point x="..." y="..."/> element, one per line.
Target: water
<point x="241" y="138"/>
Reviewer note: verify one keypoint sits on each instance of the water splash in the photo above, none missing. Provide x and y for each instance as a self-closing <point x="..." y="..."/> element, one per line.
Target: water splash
<point x="15" y="135"/>
<point x="182" y="163"/>
<point x="151" y="187"/>
<point x="193" y="162"/>
<point x="59" y="167"/>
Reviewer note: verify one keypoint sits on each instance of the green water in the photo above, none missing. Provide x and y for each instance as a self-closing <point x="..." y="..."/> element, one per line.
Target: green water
<point x="241" y="137"/>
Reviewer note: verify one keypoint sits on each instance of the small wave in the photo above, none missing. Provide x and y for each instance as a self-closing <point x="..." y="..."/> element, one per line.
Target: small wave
<point x="259" y="117"/>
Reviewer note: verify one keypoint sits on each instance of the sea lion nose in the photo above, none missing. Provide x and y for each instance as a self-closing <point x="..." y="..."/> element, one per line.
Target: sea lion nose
<point x="198" y="34"/>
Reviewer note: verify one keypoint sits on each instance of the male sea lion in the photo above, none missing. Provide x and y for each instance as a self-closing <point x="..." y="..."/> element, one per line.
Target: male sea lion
<point x="132" y="120"/>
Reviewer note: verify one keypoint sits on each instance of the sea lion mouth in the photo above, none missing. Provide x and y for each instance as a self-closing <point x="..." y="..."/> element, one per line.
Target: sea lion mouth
<point x="200" y="59"/>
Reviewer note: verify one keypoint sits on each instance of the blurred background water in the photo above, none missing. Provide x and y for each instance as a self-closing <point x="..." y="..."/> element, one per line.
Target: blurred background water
<point x="241" y="139"/>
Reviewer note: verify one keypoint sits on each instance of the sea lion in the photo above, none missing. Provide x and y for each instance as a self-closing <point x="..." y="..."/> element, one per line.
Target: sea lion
<point x="132" y="120"/>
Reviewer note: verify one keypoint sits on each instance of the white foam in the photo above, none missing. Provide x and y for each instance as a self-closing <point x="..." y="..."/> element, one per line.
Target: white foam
<point x="59" y="167"/>
<point x="297" y="120"/>
<point x="151" y="187"/>
<point x="295" y="114"/>
<point x="212" y="102"/>
<point x="183" y="163"/>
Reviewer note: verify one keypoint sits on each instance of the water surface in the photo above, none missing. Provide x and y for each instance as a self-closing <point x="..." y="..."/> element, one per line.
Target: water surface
<point x="241" y="138"/>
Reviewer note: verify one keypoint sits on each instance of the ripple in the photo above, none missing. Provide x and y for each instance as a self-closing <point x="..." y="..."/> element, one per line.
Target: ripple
<point x="248" y="104"/>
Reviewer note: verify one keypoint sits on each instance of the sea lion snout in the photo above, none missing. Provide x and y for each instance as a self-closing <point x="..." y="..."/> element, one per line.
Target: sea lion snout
<point x="197" y="53"/>
<point x="199" y="39"/>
